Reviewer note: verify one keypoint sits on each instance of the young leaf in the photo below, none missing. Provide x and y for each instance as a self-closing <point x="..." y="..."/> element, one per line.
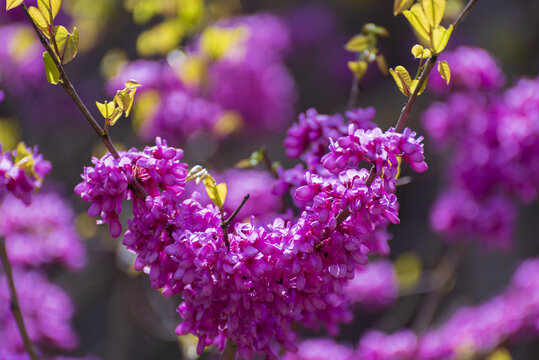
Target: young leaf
<point x="41" y="21"/>
<point x="434" y="10"/>
<point x="359" y="68"/>
<point x="51" y="71"/>
<point x="10" y="4"/>
<point x="382" y="64"/>
<point x="370" y="28"/>
<point x="132" y="84"/>
<point x="115" y="116"/>
<point x="358" y="43"/>
<point x="216" y="192"/>
<point x="414" y="85"/>
<point x="440" y="37"/>
<point x="68" y="44"/>
<point x="420" y="53"/>
<point x="106" y="109"/>
<point x="52" y="5"/>
<point x="402" y="79"/>
<point x="418" y="19"/>
<point x="401" y="5"/>
<point x="444" y="70"/>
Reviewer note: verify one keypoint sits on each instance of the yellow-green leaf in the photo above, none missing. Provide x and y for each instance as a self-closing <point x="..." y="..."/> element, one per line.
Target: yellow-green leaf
<point x="382" y="64"/>
<point x="67" y="43"/>
<point x="420" y="53"/>
<point x="10" y="4"/>
<point x="132" y="84"/>
<point x="434" y="10"/>
<point x="106" y="109"/>
<point x="124" y="98"/>
<point x="417" y="18"/>
<point x="440" y="37"/>
<point x="401" y="5"/>
<point x="444" y="70"/>
<point x="402" y="79"/>
<point x="41" y="21"/>
<point x="358" y="43"/>
<point x="216" y="192"/>
<point x="51" y="71"/>
<point x="115" y="116"/>
<point x="374" y="29"/>
<point x="359" y="68"/>
<point x="414" y="85"/>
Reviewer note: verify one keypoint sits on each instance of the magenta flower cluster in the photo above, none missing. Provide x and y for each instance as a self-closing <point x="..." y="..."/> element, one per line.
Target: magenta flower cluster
<point x="251" y="287"/>
<point x="22" y="174"/>
<point x="495" y="161"/>
<point x="472" y="331"/>
<point x="251" y="85"/>
<point x="41" y="233"/>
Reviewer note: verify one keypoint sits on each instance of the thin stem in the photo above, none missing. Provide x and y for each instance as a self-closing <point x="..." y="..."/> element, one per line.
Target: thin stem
<point x="15" y="307"/>
<point x="354" y="93"/>
<point x="235" y="213"/>
<point x="267" y="162"/>
<point x="463" y="13"/>
<point x="229" y="353"/>
<point x="70" y="90"/>
<point x="430" y="305"/>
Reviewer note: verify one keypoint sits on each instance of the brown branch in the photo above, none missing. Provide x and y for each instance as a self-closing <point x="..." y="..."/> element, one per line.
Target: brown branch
<point x="15" y="307"/>
<point x="267" y="162"/>
<point x="463" y="13"/>
<point x="70" y="90"/>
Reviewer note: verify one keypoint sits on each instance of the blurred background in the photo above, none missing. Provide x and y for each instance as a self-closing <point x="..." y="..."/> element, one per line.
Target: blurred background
<point x="220" y="79"/>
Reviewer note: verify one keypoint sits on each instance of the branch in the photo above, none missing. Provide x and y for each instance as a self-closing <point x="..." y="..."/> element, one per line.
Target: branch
<point x="229" y="353"/>
<point x="15" y="307"/>
<point x="70" y="90"/>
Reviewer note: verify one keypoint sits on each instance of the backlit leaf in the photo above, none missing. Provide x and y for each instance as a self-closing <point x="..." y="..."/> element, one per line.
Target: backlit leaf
<point x="420" y="53"/>
<point x="440" y="37"/>
<point x="51" y="71"/>
<point x="216" y="192"/>
<point x="358" y="43"/>
<point x="41" y="21"/>
<point x="10" y="4"/>
<point x="49" y="8"/>
<point x="382" y="64"/>
<point x="374" y="29"/>
<point x="402" y="79"/>
<point x="106" y="109"/>
<point x="418" y="19"/>
<point x="414" y="85"/>
<point x="434" y="10"/>
<point x="444" y="70"/>
<point x="359" y="68"/>
<point x="68" y="43"/>
<point x="115" y="116"/>
<point x="401" y="5"/>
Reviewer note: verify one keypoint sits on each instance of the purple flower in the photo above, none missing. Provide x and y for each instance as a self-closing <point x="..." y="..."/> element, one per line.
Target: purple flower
<point x="41" y="233"/>
<point x="320" y="349"/>
<point x="47" y="311"/>
<point x="375" y="345"/>
<point x="374" y="286"/>
<point x="472" y="69"/>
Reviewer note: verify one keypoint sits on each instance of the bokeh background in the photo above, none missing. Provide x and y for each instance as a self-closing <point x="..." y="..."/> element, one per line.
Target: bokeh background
<point x="118" y="315"/>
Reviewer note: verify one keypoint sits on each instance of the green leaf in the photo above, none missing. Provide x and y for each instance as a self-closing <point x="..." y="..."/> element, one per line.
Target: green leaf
<point x="106" y="109"/>
<point x="418" y="19"/>
<point x="401" y="5"/>
<point x="434" y="10"/>
<point x="124" y="98"/>
<point x="420" y="53"/>
<point x="68" y="43"/>
<point x="440" y="37"/>
<point x="359" y="68"/>
<point x="10" y="4"/>
<point x="444" y="70"/>
<point x="358" y="43"/>
<point x="41" y="21"/>
<point x="402" y="79"/>
<point x="51" y="71"/>
<point x="216" y="192"/>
